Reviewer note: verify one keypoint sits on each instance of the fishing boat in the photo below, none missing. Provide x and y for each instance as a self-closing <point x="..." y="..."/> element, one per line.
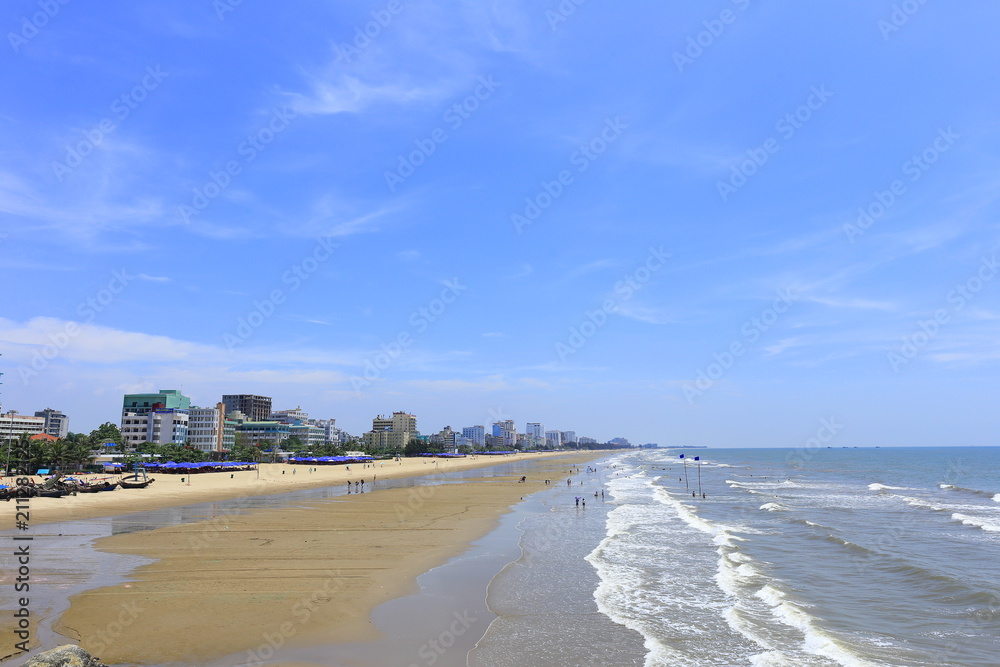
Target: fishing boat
<point x="94" y="488"/>
<point x="135" y="482"/>
<point x="48" y="493"/>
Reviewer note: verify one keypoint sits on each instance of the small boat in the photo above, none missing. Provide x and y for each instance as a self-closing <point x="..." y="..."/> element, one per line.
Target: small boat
<point x="135" y="482"/>
<point x="94" y="488"/>
<point x="48" y="493"/>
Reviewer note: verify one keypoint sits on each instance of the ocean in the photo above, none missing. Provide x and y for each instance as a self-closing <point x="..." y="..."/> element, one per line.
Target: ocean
<point x="795" y="557"/>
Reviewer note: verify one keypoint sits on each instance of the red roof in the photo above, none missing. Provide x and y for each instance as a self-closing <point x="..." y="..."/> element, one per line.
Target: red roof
<point x="44" y="436"/>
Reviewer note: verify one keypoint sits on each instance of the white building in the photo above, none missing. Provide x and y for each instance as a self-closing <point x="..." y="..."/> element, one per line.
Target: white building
<point x="12" y="425"/>
<point x="568" y="436"/>
<point x="553" y="438"/>
<point x="160" y="427"/>
<point x="207" y="429"/>
<point x="535" y="429"/>
<point x="290" y="416"/>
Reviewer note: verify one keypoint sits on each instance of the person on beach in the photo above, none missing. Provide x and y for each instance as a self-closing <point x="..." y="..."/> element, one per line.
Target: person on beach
<point x="578" y="501"/>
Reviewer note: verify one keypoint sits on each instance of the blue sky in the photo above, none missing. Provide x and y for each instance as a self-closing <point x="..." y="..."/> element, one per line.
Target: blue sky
<point x="718" y="224"/>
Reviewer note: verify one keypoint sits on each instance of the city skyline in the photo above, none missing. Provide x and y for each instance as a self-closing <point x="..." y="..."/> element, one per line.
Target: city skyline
<point x="744" y="225"/>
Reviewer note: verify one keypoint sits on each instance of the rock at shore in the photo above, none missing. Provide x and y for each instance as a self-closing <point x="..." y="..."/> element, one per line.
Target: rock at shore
<point x="64" y="656"/>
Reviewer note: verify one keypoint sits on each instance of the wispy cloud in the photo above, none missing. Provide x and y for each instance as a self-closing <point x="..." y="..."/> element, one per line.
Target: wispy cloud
<point x="155" y="279"/>
<point x="348" y="94"/>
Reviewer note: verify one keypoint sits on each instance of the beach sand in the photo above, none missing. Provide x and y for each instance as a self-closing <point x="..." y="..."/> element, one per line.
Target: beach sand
<point x="309" y="574"/>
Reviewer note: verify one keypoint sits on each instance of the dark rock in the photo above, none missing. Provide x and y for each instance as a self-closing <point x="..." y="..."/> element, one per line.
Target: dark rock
<point x="64" y="656"/>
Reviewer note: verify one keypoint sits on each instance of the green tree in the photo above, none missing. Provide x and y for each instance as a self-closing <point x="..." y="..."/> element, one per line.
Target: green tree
<point x="106" y="432"/>
<point x="415" y="447"/>
<point x="55" y="452"/>
<point x="295" y="444"/>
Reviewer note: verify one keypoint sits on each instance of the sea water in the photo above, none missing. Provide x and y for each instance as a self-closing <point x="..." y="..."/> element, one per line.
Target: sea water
<point x="820" y="557"/>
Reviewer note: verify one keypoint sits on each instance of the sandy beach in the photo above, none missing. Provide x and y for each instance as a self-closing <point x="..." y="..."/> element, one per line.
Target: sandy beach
<point x="311" y="573"/>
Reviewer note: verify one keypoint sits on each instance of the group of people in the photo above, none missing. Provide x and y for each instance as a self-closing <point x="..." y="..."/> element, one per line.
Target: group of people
<point x="357" y="483"/>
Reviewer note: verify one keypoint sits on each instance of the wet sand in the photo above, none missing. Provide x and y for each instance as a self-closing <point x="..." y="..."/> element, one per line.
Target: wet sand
<point x="181" y="489"/>
<point x="252" y="583"/>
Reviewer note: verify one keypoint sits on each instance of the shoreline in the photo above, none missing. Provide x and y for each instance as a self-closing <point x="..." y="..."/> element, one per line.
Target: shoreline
<point x="272" y="478"/>
<point x="307" y="574"/>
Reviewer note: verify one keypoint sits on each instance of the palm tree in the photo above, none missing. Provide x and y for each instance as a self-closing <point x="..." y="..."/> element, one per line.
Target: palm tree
<point x="32" y="452"/>
<point x="78" y="455"/>
<point x="55" y="452"/>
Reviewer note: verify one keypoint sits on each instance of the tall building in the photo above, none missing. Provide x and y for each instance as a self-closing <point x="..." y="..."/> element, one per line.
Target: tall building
<point x="506" y="432"/>
<point x="209" y="430"/>
<point x="56" y="423"/>
<point x="568" y="436"/>
<point x="165" y="399"/>
<point x="391" y="433"/>
<point x="477" y="434"/>
<point x="256" y="408"/>
<point x="535" y="429"/>
<point x="160" y="426"/>
<point x="553" y="439"/>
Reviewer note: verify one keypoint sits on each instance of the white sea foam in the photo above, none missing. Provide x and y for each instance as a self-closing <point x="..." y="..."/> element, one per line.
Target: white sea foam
<point x="923" y="504"/>
<point x="815" y="640"/>
<point x="770" y="659"/>
<point x="977" y="522"/>
<point x="885" y="487"/>
<point x="996" y="498"/>
<point x="773" y="507"/>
